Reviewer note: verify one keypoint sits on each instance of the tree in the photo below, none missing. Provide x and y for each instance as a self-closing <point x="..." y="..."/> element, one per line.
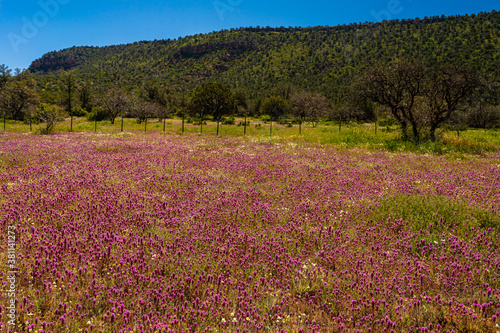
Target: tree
<point x="116" y="102"/>
<point x="241" y="100"/>
<point x="283" y="89"/>
<point x="213" y="99"/>
<point x="5" y="76"/>
<point x="164" y="110"/>
<point x="164" y="105"/>
<point x="242" y="106"/>
<point x="86" y="96"/>
<point x="16" y="98"/>
<point x="447" y="89"/>
<point x="357" y="108"/>
<point x="344" y="112"/>
<point x="421" y="97"/>
<point x="309" y="106"/>
<point x="68" y="82"/>
<point x="255" y="106"/>
<point x="162" y="102"/>
<point x="483" y="116"/>
<point x="142" y="110"/>
<point x="151" y="90"/>
<point x="275" y="106"/>
<point x="396" y="87"/>
<point x="50" y="115"/>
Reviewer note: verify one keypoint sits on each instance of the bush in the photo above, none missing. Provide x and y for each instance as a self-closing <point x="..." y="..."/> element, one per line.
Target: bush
<point x="265" y="118"/>
<point x="50" y="115"/>
<point x="386" y="121"/>
<point x="285" y="121"/>
<point x="78" y="112"/>
<point x="101" y="114"/>
<point x="228" y="121"/>
<point x="242" y="123"/>
<point x="34" y="119"/>
<point x="484" y="117"/>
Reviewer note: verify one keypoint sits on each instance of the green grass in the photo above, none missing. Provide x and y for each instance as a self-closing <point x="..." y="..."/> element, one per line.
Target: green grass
<point x="470" y="142"/>
<point x="435" y="221"/>
<point x="440" y="212"/>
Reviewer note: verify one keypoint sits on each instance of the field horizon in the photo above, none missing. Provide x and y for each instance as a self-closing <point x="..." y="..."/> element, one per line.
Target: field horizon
<point x="466" y="143"/>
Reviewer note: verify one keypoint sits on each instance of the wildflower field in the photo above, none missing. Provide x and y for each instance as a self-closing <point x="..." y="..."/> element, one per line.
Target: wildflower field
<point x="169" y="233"/>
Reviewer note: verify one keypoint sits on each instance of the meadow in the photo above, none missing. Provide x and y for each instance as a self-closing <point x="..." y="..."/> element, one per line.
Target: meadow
<point x="349" y="135"/>
<point x="134" y="232"/>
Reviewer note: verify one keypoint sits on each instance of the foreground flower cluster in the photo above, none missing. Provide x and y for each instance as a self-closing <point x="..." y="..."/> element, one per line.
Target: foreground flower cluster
<point x="202" y="234"/>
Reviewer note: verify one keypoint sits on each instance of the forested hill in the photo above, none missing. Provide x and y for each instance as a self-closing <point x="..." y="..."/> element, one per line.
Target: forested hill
<point x="324" y="59"/>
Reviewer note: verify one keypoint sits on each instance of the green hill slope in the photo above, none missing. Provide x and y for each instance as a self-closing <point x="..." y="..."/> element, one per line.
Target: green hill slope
<point x="324" y="59"/>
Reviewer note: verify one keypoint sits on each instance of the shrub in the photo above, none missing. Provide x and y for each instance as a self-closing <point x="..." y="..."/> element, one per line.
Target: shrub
<point x="242" y="123"/>
<point x="50" y="115"/>
<point x="228" y="121"/>
<point x="98" y="111"/>
<point x="265" y="118"/>
<point x="78" y="112"/>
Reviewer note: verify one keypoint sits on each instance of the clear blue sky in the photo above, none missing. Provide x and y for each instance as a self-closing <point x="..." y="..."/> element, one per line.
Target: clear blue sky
<point x="30" y="28"/>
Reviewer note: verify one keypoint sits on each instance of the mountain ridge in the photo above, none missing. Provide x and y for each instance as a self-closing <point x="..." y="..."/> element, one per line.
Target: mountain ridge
<point x="321" y="58"/>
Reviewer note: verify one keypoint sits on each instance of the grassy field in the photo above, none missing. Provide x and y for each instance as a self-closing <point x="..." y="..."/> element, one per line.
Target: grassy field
<point x="470" y="142"/>
<point x="134" y="232"/>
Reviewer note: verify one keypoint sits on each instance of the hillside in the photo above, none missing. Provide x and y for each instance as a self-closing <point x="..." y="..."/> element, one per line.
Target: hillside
<point x="319" y="58"/>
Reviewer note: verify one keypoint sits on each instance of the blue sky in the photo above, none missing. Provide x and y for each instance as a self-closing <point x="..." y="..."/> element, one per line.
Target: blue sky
<point x="30" y="28"/>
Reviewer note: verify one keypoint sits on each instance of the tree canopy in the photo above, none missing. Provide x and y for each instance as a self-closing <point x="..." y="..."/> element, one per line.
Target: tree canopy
<point x="214" y="99"/>
<point x="418" y="96"/>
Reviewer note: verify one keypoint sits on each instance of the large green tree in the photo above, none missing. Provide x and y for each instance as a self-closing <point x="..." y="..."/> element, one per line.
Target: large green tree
<point x="86" y="95"/>
<point x="214" y="99"/>
<point x="275" y="106"/>
<point x="17" y="98"/>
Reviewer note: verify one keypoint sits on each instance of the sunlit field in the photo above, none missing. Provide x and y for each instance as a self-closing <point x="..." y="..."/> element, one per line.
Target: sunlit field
<point x="366" y="135"/>
<point x="133" y="232"/>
